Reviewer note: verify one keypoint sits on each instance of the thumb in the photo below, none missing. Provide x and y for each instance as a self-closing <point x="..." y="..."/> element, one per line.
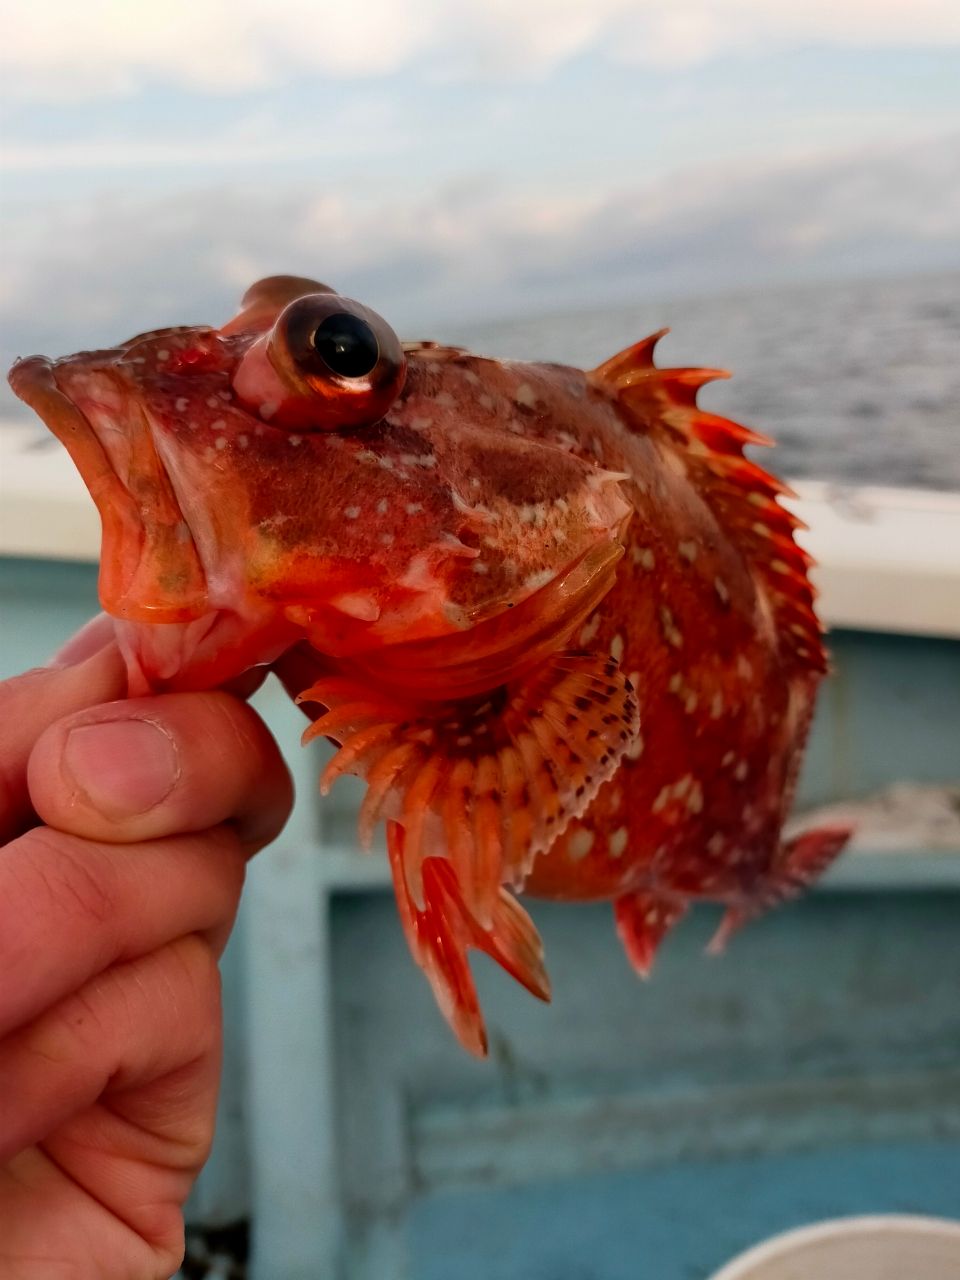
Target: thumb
<point x="33" y="701"/>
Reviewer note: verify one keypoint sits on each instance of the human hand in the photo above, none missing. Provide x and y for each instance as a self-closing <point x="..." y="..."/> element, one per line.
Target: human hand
<point x="127" y="829"/>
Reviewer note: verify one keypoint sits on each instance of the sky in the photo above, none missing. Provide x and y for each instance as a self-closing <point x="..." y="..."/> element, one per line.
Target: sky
<point x="449" y="160"/>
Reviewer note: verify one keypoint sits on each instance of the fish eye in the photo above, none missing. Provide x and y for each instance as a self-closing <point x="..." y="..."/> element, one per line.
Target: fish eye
<point x="346" y="344"/>
<point x="340" y="365"/>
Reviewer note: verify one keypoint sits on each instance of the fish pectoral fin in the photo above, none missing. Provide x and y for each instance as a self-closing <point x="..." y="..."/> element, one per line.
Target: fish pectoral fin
<point x="441" y="930"/>
<point x="643" y="920"/>
<point x="799" y="862"/>
<point x="487" y="783"/>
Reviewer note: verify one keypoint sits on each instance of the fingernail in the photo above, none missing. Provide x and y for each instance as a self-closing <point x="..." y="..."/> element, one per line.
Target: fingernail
<point x="122" y="767"/>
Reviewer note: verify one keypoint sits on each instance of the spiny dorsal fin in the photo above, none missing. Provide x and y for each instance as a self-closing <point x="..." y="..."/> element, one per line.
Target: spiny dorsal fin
<point x="743" y="496"/>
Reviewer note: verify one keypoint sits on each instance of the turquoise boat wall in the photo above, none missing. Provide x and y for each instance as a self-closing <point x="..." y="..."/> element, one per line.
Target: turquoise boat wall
<point x="629" y="1130"/>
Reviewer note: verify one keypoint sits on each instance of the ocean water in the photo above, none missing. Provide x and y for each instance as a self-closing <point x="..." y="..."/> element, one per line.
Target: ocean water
<point x="858" y="382"/>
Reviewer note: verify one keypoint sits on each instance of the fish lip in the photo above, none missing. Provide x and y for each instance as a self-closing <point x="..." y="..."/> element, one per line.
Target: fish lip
<point x="127" y="589"/>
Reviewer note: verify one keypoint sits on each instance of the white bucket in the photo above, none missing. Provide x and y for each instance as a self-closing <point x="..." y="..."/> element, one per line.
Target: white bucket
<point x="885" y="1247"/>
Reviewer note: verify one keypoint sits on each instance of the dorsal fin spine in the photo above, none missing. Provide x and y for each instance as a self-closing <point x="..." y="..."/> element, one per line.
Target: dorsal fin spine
<point x="744" y="498"/>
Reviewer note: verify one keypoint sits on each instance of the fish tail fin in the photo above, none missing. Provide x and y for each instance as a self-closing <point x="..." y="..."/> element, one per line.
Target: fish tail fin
<point x="441" y="931"/>
<point x="643" y="920"/>
<point x="800" y="862"/>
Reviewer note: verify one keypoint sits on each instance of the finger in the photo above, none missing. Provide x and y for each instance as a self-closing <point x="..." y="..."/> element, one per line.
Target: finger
<point x="90" y="639"/>
<point x="70" y="908"/>
<point x="131" y="1026"/>
<point x="31" y="702"/>
<point x="151" y="767"/>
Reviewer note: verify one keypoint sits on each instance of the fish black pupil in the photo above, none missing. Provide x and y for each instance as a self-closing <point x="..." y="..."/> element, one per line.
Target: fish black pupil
<point x="346" y="345"/>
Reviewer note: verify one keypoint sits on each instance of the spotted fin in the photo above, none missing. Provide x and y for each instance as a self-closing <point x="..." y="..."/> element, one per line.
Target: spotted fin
<point x="440" y="929"/>
<point x="643" y="920"/>
<point x="487" y="782"/>
<point x="743" y="496"/>
<point x="801" y="861"/>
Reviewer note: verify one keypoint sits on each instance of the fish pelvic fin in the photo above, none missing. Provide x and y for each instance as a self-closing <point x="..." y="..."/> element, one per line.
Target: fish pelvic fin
<point x="440" y="930"/>
<point x="745" y="499"/>
<point x="801" y="861"/>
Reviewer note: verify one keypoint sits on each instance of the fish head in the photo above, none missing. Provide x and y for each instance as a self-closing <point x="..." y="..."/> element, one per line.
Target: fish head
<point x="300" y="472"/>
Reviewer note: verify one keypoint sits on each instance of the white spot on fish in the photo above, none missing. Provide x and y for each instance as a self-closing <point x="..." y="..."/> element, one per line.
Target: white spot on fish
<point x="741" y="771"/>
<point x="163" y="354"/>
<point x="421" y="424"/>
<point x="357" y="605"/>
<point x="445" y="400"/>
<point x="589" y="630"/>
<point x="351" y="512"/>
<point x="643" y="556"/>
<point x="715" y="844"/>
<point x="268" y="409"/>
<point x="243" y="440"/>
<point x="480" y="567"/>
<point x="688" y="551"/>
<point x="720" y="587"/>
<point x="219" y="425"/>
<point x="387" y="463"/>
<point x="383" y="506"/>
<point x="616" y="648"/>
<point x="716" y="706"/>
<point x="181" y="404"/>
<point x="387" y="539"/>
<point x="414" y="508"/>
<point x="220" y="442"/>
<point x="671" y="631"/>
<point x="485" y="401"/>
<point x="581" y="842"/>
<point x="618" y="842"/>
<point x="213" y="402"/>
<point x="635" y="749"/>
<point x="525" y="395"/>
<point x="295" y="440"/>
<point x="534" y="581"/>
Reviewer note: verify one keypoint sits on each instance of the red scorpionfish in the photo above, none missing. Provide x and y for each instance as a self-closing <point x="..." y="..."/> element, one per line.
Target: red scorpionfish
<point x="560" y="623"/>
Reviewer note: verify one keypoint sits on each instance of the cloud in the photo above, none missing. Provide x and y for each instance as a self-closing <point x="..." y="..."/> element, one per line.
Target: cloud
<point x="99" y="270"/>
<point x="63" y="51"/>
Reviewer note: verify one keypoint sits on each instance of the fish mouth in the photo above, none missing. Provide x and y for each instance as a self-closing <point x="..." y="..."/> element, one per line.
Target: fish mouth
<point x="150" y="570"/>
